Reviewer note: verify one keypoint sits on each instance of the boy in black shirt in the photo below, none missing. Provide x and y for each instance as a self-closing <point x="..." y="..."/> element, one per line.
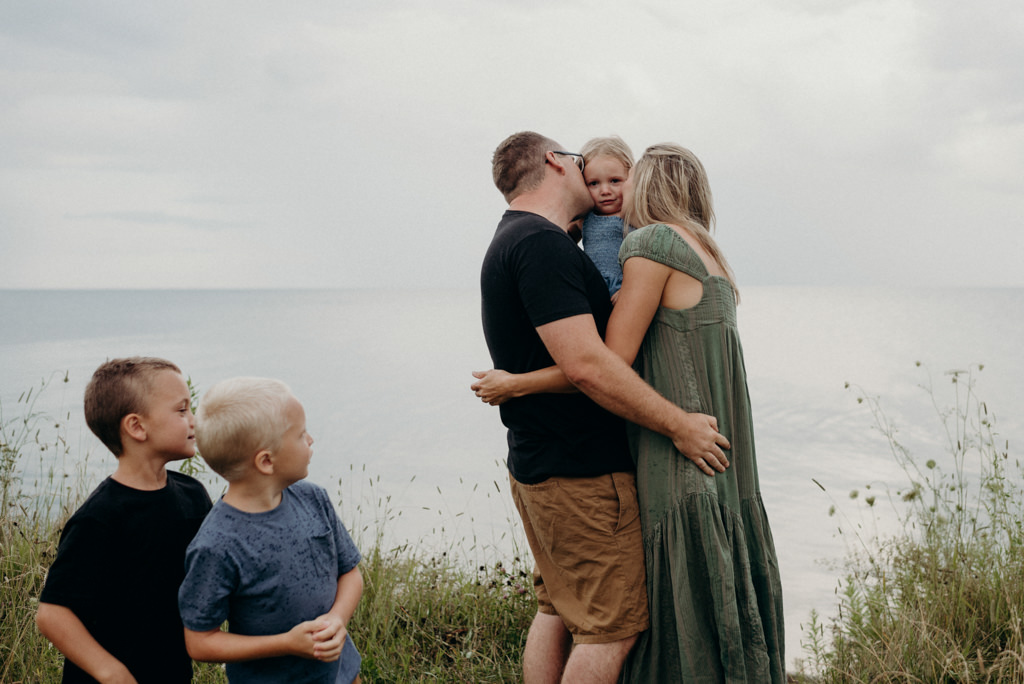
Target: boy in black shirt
<point x="110" y="599"/>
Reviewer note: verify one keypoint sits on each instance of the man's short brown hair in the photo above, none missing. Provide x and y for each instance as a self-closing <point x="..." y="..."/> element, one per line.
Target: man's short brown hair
<point x="518" y="163"/>
<point x="118" y="388"/>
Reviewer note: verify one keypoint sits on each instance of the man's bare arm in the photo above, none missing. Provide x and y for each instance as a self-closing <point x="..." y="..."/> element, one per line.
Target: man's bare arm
<point x="602" y="375"/>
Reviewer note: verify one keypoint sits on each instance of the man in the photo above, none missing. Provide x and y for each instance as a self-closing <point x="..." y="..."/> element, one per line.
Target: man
<point x="545" y="303"/>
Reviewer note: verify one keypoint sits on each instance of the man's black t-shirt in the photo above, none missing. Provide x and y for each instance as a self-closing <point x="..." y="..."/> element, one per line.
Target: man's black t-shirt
<point x="533" y="273"/>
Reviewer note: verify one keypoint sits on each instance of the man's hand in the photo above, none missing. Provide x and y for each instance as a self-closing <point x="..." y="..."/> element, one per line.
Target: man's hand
<point x="700" y="441"/>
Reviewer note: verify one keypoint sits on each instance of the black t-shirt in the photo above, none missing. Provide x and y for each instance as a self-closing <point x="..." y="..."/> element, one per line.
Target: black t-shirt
<point x="533" y="273"/>
<point x="119" y="564"/>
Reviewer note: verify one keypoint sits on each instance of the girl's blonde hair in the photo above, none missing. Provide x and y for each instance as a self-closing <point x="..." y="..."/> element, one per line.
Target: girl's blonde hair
<point x="613" y="146"/>
<point x="670" y="185"/>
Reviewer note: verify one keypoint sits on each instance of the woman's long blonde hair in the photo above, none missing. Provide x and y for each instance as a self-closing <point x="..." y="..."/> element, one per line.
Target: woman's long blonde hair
<point x="670" y="185"/>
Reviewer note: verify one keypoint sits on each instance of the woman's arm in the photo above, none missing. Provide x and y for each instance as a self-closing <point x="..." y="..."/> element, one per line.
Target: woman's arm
<point x="643" y="282"/>
<point x="495" y="387"/>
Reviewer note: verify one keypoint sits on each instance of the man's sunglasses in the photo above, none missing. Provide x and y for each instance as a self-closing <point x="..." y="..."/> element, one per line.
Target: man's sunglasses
<point x="576" y="157"/>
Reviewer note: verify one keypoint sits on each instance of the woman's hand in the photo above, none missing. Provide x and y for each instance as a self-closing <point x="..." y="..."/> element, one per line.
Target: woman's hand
<point x="493" y="386"/>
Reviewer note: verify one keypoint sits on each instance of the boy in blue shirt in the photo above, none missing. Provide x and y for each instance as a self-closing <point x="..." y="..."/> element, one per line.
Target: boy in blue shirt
<point x="272" y="557"/>
<point x="110" y="599"/>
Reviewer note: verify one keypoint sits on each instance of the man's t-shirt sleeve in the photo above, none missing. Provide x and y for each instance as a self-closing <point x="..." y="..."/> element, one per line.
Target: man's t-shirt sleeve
<point x="550" y="278"/>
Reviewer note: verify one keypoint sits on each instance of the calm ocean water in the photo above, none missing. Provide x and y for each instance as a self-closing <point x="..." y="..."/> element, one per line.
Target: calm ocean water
<point x="408" y="450"/>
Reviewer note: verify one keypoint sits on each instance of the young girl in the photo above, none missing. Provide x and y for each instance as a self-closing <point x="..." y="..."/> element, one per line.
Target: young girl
<point x="608" y="161"/>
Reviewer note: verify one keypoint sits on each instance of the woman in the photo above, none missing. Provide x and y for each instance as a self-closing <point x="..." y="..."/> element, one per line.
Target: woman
<point x="712" y="573"/>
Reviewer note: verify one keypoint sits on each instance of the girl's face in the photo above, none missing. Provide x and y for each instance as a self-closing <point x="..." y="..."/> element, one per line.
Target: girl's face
<point x="605" y="177"/>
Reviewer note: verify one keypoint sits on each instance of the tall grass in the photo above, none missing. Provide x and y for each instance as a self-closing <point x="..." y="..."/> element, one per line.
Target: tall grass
<point x="30" y="513"/>
<point x="427" y="614"/>
<point x="942" y="600"/>
<point x="423" y="617"/>
<point x="426" y="619"/>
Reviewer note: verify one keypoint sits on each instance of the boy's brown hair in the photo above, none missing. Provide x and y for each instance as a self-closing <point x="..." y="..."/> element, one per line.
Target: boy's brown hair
<point x="118" y="388"/>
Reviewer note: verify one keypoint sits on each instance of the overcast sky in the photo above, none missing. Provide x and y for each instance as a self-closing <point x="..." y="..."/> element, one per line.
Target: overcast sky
<point x="308" y="143"/>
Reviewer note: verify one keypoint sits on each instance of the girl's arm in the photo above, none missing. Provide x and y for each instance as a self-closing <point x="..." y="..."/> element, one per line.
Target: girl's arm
<point x="495" y="387"/>
<point x="643" y="282"/>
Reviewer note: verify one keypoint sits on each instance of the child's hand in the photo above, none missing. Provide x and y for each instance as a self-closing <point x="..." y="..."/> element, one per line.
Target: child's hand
<point x="329" y="639"/>
<point x="302" y="640"/>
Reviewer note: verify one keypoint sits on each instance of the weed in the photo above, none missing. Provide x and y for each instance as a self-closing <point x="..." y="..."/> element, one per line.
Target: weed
<point x="942" y="599"/>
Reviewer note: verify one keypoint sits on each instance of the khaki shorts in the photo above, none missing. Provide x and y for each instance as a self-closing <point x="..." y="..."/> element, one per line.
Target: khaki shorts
<point x="586" y="540"/>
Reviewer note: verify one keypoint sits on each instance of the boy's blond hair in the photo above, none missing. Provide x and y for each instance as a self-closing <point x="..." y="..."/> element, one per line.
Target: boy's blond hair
<point x="239" y="417"/>
<point x="612" y="146"/>
<point x="118" y="388"/>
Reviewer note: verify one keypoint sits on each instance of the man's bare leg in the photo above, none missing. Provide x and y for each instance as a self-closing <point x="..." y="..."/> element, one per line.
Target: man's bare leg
<point x="547" y="650"/>
<point x="597" y="663"/>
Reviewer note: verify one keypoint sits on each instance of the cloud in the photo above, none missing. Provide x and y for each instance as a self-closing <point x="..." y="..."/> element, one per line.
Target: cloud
<point x="847" y="142"/>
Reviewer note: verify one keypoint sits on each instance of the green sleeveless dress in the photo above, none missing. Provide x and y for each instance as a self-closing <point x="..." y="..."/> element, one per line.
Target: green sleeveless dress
<point x="712" y="574"/>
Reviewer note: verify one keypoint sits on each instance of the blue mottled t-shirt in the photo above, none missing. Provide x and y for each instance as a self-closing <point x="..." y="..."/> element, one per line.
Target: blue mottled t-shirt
<point x="265" y="573"/>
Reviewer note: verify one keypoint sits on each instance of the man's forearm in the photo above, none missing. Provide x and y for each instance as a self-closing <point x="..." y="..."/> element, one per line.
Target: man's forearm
<point x="613" y="385"/>
<point x="616" y="387"/>
<point x="604" y="377"/>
